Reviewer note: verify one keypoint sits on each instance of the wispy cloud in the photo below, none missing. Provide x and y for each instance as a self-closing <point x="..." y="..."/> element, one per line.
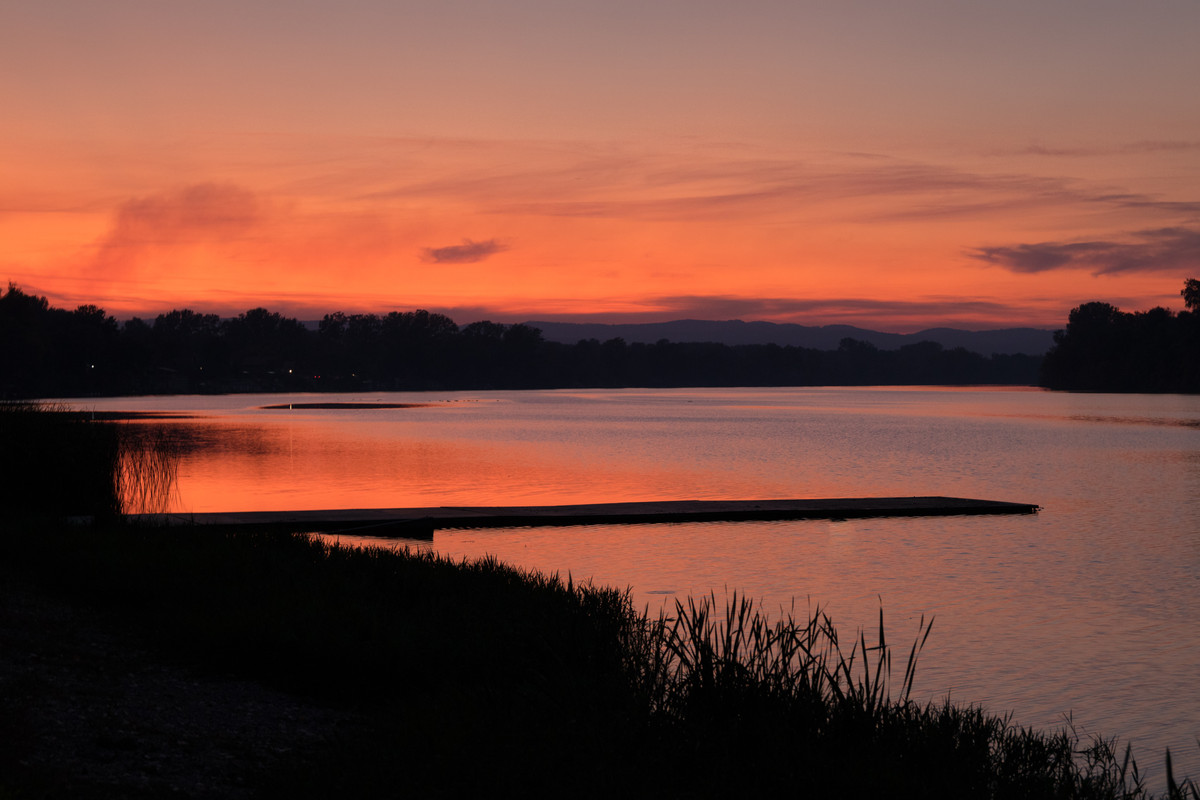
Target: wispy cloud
<point x="1162" y="250"/>
<point x="209" y="235"/>
<point x="1141" y="201"/>
<point x="199" y="214"/>
<point x="883" y="190"/>
<point x="1161" y="146"/>
<point x="578" y="181"/>
<point x="1128" y="148"/>
<point x="751" y="189"/>
<point x="466" y="253"/>
<point x="204" y="211"/>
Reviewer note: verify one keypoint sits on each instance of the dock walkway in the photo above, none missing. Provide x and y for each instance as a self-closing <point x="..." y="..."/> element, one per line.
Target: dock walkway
<point x="421" y="522"/>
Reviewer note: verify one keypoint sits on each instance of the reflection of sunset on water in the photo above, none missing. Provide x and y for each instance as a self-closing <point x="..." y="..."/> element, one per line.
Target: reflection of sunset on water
<point x="301" y="471"/>
<point x="309" y="465"/>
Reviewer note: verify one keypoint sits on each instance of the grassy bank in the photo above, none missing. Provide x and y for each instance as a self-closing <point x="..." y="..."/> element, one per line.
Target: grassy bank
<point x="476" y="677"/>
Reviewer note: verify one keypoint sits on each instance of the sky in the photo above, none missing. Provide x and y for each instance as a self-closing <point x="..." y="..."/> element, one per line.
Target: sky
<point x="893" y="165"/>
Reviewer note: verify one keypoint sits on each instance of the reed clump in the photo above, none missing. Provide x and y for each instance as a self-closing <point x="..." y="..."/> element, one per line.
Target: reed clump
<point x="147" y="471"/>
<point x="478" y="678"/>
<point x="788" y="704"/>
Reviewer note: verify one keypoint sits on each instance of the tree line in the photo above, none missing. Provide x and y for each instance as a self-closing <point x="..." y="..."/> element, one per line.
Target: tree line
<point x="53" y="352"/>
<point x="1104" y="349"/>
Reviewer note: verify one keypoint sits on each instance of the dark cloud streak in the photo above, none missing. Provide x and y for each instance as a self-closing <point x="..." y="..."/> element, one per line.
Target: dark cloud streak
<point x="1129" y="148"/>
<point x="468" y="252"/>
<point x="1161" y="250"/>
<point x="204" y="211"/>
<point x="196" y="215"/>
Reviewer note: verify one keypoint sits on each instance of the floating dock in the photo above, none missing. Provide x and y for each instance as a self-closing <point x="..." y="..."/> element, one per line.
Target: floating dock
<point x="421" y="522"/>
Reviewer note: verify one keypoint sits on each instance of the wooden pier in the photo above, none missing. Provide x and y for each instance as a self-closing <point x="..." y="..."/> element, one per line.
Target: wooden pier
<point x="421" y="522"/>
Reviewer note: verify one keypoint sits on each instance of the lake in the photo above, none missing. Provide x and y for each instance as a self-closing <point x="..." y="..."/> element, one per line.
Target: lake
<point x="1088" y="608"/>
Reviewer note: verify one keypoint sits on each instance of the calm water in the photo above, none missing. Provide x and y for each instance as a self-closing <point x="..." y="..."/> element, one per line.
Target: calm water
<point x="1088" y="608"/>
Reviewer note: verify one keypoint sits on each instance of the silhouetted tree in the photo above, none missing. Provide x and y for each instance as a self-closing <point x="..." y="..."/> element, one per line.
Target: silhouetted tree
<point x="1106" y="349"/>
<point x="351" y="351"/>
<point x="89" y="349"/>
<point x="28" y="361"/>
<point x="416" y="345"/>
<point x="268" y="348"/>
<point x="188" y="351"/>
<point x="860" y="363"/>
<point x="1191" y="295"/>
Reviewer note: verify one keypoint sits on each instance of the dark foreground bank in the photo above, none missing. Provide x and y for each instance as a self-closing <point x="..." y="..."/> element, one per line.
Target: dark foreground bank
<point x="276" y="665"/>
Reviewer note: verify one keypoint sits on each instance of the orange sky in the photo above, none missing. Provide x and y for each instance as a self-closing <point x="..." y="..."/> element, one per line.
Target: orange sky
<point x="891" y="165"/>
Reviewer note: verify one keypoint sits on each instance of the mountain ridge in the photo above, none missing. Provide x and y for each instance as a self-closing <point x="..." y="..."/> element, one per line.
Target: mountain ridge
<point x="1004" y="341"/>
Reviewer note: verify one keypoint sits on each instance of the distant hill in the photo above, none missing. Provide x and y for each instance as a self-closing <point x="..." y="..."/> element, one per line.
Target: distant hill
<point x="1031" y="341"/>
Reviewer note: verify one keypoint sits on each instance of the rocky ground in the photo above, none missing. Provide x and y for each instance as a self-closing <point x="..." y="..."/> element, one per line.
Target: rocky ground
<point x="89" y="709"/>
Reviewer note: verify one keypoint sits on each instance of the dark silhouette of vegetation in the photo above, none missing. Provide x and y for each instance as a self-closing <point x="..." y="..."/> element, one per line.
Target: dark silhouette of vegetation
<point x="50" y="352"/>
<point x="1104" y="349"/>
<point x="60" y="462"/>
<point x="57" y="462"/>
<point x="475" y="678"/>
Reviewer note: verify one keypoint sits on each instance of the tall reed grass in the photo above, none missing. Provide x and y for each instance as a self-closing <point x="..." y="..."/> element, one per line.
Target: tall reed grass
<point x="788" y="703"/>
<point x="148" y="469"/>
<point x="700" y="651"/>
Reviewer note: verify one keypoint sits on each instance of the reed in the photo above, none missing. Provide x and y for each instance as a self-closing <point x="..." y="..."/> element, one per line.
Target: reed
<point x="147" y="469"/>
<point x="742" y="649"/>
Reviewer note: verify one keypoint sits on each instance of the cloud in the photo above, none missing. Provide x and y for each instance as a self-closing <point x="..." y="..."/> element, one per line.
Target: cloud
<point x="1174" y="250"/>
<point x="202" y="213"/>
<point x="1128" y="148"/>
<point x="617" y="183"/>
<point x="728" y="183"/>
<point x="466" y="253"/>
<point x="217" y="234"/>
<point x="1140" y="201"/>
<point x="883" y="191"/>
<point x="1161" y="146"/>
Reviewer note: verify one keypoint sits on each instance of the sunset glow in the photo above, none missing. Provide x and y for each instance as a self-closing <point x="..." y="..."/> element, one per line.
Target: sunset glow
<point x="894" y="166"/>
